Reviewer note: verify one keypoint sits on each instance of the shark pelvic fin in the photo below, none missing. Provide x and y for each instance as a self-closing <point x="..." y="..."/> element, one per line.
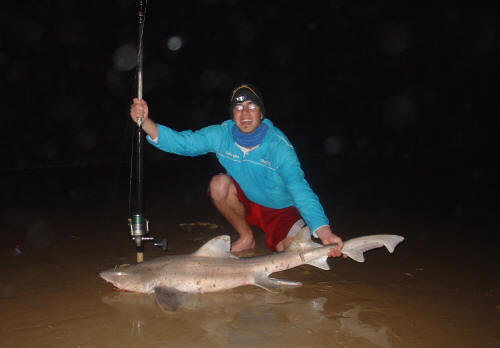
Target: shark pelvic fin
<point x="219" y="246"/>
<point x="302" y="241"/>
<point x="169" y="299"/>
<point x="273" y="284"/>
<point x="354" y="248"/>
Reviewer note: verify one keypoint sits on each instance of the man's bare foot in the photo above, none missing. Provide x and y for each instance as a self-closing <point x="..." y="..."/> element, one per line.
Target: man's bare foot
<point x="243" y="243"/>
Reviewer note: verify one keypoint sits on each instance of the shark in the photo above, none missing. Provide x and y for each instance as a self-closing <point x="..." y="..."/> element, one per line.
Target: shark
<point x="174" y="278"/>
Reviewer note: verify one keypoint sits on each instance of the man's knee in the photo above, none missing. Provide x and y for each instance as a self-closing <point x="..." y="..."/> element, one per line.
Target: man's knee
<point x="220" y="186"/>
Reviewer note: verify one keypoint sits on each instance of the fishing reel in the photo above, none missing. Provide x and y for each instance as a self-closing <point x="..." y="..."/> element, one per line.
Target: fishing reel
<point x="139" y="228"/>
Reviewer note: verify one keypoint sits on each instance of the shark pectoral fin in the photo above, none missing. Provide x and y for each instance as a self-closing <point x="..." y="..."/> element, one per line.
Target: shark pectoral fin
<point x="273" y="284"/>
<point x="320" y="262"/>
<point x="169" y="299"/>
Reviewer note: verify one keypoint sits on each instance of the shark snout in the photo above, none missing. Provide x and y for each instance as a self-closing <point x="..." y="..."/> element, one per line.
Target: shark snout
<point x="112" y="276"/>
<point x="121" y="278"/>
<point x="106" y="275"/>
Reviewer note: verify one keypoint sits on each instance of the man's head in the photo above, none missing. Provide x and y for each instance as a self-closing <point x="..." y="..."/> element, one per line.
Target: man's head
<point x="246" y="107"/>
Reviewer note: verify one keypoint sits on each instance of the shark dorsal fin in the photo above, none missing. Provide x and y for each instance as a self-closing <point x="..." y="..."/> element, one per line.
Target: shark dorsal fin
<point x="302" y="241"/>
<point x="219" y="246"/>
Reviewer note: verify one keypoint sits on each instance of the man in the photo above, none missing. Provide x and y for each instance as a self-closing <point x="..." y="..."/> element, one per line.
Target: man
<point x="264" y="185"/>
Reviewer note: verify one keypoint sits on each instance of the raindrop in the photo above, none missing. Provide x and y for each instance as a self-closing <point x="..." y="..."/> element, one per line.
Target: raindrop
<point x="332" y="145"/>
<point x="175" y="43"/>
<point x="336" y="4"/>
<point x="125" y="58"/>
<point x="4" y="58"/>
<point x="7" y="291"/>
<point x="66" y="7"/>
<point x="312" y="26"/>
<point x="124" y="4"/>
<point x="87" y="139"/>
<point x="19" y="72"/>
<point x="15" y="218"/>
<point x="399" y="111"/>
<point x="393" y="37"/>
<point x="33" y="33"/>
<point x="211" y="79"/>
<point x="49" y="149"/>
<point x="39" y="235"/>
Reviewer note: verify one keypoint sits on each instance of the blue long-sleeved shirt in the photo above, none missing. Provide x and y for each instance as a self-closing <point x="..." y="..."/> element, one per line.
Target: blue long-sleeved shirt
<point x="269" y="175"/>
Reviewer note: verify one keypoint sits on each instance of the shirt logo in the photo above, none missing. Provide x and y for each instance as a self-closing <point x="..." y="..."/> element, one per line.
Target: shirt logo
<point x="232" y="155"/>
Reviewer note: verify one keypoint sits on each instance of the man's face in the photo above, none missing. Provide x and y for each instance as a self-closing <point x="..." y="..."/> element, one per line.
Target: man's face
<point x="247" y="116"/>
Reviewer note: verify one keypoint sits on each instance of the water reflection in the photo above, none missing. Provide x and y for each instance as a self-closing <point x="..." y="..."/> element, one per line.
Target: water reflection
<point x="240" y="317"/>
<point x="251" y="317"/>
<point x="136" y="329"/>
<point x="221" y="302"/>
<point x="352" y="326"/>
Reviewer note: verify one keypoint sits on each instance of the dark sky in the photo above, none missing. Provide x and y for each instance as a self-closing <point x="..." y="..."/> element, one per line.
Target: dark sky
<point x="401" y="85"/>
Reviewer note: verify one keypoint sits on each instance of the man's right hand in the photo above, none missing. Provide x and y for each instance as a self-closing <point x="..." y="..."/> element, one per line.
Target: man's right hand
<point x="139" y="109"/>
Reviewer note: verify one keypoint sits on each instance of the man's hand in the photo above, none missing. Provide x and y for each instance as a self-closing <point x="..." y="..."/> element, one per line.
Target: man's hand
<point x="139" y="109"/>
<point x="327" y="237"/>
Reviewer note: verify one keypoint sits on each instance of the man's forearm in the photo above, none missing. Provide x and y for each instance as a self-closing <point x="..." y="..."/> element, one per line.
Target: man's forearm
<point x="149" y="126"/>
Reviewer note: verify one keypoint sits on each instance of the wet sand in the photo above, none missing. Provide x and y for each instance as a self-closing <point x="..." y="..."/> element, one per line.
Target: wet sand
<point x="439" y="289"/>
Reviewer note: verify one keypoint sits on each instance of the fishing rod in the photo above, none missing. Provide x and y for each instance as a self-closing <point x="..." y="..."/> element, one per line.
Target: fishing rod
<point x="138" y="224"/>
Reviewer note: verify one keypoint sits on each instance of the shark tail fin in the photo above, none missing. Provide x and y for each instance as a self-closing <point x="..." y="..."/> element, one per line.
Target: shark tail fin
<point x="354" y="248"/>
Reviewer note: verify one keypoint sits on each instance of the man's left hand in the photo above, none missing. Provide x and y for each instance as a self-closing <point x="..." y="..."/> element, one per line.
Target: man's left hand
<point x="328" y="237"/>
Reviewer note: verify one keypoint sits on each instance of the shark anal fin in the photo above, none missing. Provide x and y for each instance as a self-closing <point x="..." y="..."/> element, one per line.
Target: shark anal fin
<point x="169" y="299"/>
<point x="273" y="284"/>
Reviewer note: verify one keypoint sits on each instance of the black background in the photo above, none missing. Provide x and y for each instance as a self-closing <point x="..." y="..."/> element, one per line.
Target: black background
<point x="392" y="100"/>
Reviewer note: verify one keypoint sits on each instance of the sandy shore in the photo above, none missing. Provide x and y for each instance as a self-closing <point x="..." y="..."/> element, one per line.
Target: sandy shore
<point x="62" y="226"/>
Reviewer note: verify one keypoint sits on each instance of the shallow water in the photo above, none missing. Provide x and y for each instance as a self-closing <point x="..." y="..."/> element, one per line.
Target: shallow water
<point x="433" y="291"/>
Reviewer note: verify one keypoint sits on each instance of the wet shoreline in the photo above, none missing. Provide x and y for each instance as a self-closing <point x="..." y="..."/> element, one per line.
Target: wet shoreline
<point x="439" y="288"/>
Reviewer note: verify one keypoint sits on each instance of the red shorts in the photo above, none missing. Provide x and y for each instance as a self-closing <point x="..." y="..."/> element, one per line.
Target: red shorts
<point x="274" y="222"/>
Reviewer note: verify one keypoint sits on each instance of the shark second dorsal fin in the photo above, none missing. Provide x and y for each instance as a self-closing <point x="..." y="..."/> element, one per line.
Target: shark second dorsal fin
<point x="302" y="241"/>
<point x="219" y="246"/>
